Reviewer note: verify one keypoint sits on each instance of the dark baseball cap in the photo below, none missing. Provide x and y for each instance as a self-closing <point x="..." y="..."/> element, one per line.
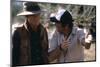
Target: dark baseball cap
<point x="62" y="16"/>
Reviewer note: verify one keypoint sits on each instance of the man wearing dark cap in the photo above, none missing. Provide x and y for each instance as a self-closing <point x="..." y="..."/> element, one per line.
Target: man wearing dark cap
<point x="30" y="42"/>
<point x="68" y="41"/>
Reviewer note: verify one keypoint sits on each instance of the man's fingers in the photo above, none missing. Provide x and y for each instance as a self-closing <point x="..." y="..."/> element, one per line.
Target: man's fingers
<point x="65" y="38"/>
<point x="65" y="42"/>
<point x="65" y="45"/>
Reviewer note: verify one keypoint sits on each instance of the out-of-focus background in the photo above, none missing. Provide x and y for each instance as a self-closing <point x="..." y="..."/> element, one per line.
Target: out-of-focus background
<point x="84" y="17"/>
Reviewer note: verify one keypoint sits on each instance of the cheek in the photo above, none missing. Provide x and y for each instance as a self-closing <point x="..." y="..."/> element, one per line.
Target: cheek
<point x="36" y="20"/>
<point x="67" y="29"/>
<point x="58" y="29"/>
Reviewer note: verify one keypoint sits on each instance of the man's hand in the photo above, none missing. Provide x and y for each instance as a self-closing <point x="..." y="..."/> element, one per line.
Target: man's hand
<point x="88" y="39"/>
<point x="65" y="44"/>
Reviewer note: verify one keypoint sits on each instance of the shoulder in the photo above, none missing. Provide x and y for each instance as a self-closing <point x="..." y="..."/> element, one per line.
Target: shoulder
<point x="80" y="31"/>
<point x="42" y="27"/>
<point x="15" y="28"/>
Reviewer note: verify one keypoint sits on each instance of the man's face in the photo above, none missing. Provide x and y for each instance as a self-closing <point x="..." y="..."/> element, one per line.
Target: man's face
<point x="62" y="30"/>
<point x="34" y="20"/>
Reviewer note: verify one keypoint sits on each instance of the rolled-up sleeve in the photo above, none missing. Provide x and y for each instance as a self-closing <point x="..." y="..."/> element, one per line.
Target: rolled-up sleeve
<point x="81" y="36"/>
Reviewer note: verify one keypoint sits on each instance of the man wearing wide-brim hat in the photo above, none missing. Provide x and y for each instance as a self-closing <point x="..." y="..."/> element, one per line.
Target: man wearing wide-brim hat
<point x="30" y="42"/>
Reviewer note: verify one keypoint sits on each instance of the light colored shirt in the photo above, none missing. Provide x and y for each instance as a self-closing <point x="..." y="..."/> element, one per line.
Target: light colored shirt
<point x="75" y="50"/>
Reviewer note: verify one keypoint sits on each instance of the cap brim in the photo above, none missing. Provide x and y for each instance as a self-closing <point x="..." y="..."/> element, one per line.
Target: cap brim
<point x="24" y="13"/>
<point x="53" y="19"/>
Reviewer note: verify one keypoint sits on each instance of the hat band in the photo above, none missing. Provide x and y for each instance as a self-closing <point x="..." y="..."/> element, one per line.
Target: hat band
<point x="31" y="8"/>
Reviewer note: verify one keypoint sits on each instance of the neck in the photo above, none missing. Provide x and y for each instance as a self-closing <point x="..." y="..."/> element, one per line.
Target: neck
<point x="34" y="28"/>
<point x="30" y="26"/>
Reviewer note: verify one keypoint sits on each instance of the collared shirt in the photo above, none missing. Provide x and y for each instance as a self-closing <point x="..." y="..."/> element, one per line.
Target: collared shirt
<point x="75" y="50"/>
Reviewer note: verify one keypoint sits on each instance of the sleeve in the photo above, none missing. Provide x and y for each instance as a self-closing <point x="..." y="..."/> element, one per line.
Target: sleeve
<point x="15" y="48"/>
<point x="53" y="42"/>
<point x="81" y="34"/>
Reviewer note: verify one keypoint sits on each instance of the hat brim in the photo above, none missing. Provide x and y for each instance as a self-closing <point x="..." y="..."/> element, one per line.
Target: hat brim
<point x="54" y="20"/>
<point x="25" y="13"/>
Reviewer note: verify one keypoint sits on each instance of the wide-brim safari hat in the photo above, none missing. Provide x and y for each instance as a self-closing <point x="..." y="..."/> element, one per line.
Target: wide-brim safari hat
<point x="30" y="8"/>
